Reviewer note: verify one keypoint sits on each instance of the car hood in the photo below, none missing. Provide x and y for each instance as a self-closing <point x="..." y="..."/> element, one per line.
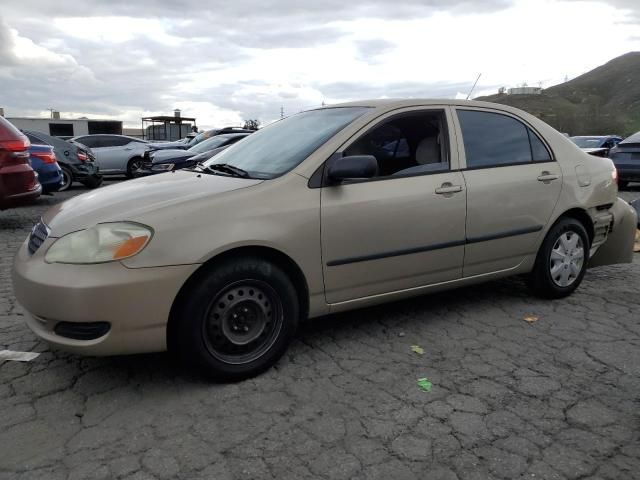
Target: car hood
<point x="162" y="156"/>
<point x="131" y="199"/>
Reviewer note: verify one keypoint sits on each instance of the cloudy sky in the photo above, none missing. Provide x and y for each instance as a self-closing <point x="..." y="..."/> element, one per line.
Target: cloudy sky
<point x="225" y="61"/>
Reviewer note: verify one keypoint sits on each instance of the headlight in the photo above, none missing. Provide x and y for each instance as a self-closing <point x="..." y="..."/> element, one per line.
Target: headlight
<point x="105" y="242"/>
<point x="163" y="167"/>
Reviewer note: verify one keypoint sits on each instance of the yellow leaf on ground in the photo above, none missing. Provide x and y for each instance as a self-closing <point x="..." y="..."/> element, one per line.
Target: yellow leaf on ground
<point x="417" y="349"/>
<point x="531" y="318"/>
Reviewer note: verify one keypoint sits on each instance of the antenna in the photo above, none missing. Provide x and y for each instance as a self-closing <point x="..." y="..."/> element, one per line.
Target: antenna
<point x="474" y="86"/>
<point x="282" y="111"/>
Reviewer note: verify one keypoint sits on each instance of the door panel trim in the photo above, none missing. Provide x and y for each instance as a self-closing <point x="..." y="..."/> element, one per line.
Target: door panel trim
<point x="437" y="246"/>
<point x="509" y="233"/>
<point x="395" y="253"/>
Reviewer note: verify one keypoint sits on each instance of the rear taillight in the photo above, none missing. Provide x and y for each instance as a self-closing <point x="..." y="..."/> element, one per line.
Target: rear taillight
<point x="15" y="145"/>
<point x="614" y="175"/>
<point x="81" y="156"/>
<point x="46" y="157"/>
<point x="17" y="148"/>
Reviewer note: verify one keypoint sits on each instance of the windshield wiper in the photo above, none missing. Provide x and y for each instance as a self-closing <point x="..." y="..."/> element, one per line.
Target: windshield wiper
<point x="225" y="168"/>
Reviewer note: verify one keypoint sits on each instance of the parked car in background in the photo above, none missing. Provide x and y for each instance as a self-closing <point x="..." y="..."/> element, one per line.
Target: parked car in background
<point x="189" y="142"/>
<point x="43" y="161"/>
<point x="115" y="154"/>
<point x="626" y="157"/>
<point x="598" y="146"/>
<point x="76" y="161"/>
<point x="309" y="216"/>
<point x="166" y="160"/>
<point x="18" y="181"/>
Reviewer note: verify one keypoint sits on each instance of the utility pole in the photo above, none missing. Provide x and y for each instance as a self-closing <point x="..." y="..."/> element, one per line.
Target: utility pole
<point x="51" y="110"/>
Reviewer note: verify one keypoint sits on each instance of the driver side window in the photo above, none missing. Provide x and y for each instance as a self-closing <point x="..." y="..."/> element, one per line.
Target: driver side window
<point x="409" y="144"/>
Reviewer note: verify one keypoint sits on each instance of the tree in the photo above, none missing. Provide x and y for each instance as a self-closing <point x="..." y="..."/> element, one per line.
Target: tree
<point x="252" y="124"/>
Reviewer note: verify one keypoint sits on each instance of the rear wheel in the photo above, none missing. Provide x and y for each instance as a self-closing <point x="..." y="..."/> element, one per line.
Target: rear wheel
<point x="237" y="320"/>
<point x="67" y="178"/>
<point x="562" y="260"/>
<point x="134" y="165"/>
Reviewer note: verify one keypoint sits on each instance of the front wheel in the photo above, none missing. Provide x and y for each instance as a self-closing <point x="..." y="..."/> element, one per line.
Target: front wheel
<point x="133" y="166"/>
<point x="562" y="260"/>
<point x="237" y="319"/>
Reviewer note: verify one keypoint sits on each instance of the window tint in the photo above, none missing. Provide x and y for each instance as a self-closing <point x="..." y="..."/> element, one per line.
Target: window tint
<point x="539" y="152"/>
<point x="493" y="139"/>
<point x="407" y="145"/>
<point x="89" y="141"/>
<point x="107" y="141"/>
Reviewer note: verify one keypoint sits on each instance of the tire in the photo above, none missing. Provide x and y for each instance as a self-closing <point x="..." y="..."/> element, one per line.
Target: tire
<point x="67" y="178"/>
<point x="623" y="184"/>
<point x="134" y="164"/>
<point x="562" y="260"/>
<point x="236" y="320"/>
<point x="92" y="182"/>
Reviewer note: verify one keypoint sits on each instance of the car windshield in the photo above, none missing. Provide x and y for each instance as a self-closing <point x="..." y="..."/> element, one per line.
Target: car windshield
<point x="276" y="149"/>
<point x="587" y="142"/>
<point x="208" y="144"/>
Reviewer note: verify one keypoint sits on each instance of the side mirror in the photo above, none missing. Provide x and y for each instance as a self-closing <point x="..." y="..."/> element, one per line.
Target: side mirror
<point x="353" y="167"/>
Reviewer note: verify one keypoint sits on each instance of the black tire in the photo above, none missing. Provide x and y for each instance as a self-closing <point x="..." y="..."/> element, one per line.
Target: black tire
<point x="134" y="164"/>
<point x="92" y="182"/>
<point x="548" y="276"/>
<point x="209" y="333"/>
<point x="623" y="184"/>
<point x="67" y="178"/>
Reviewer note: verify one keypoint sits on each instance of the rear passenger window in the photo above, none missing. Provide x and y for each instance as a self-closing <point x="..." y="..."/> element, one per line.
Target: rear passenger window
<point x="492" y="139"/>
<point x="538" y="151"/>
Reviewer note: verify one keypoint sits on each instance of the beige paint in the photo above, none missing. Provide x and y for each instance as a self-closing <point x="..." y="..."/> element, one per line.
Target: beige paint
<point x="197" y="217"/>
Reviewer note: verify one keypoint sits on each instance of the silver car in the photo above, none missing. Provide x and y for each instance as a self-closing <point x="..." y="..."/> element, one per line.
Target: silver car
<point x="115" y="154"/>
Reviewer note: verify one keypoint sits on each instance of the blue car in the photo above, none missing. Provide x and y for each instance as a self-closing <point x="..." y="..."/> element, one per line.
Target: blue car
<point x="43" y="161"/>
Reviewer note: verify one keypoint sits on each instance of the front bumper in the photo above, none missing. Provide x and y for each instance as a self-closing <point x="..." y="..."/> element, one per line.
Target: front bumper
<point x="135" y="302"/>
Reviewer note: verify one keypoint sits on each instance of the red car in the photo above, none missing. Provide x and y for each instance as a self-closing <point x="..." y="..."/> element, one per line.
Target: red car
<point x="18" y="182"/>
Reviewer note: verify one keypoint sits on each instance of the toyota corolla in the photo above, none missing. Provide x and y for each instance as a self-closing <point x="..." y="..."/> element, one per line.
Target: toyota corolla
<point x="325" y="211"/>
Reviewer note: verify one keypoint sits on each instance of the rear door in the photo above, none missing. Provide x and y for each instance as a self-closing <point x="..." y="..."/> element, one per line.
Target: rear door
<point x="513" y="184"/>
<point x="113" y="153"/>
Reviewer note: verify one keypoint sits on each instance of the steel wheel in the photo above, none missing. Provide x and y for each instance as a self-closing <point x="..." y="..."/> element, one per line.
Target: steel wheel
<point x="243" y="322"/>
<point x="567" y="259"/>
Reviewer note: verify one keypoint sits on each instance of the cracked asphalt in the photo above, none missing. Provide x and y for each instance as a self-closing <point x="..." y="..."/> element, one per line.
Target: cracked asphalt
<point x="553" y="399"/>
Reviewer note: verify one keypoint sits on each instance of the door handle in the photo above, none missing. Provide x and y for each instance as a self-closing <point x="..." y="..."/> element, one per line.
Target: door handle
<point x="547" y="177"/>
<point x="447" y="187"/>
<point x="128" y="148"/>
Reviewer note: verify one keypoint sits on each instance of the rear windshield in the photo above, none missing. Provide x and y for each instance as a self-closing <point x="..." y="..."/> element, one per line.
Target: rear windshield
<point x="587" y="142"/>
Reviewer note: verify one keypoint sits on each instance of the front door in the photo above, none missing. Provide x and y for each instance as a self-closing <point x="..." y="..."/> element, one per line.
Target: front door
<point x="404" y="228"/>
<point x="513" y="184"/>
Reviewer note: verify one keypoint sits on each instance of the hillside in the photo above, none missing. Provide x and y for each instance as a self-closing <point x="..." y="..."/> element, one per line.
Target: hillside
<point x="605" y="100"/>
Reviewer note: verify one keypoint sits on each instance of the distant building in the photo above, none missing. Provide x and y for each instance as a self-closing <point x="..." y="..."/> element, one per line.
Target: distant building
<point x="67" y="127"/>
<point x="168" y="127"/>
<point x="525" y="91"/>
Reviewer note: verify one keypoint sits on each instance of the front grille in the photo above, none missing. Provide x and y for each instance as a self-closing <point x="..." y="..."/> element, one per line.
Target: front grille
<point x="39" y="234"/>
